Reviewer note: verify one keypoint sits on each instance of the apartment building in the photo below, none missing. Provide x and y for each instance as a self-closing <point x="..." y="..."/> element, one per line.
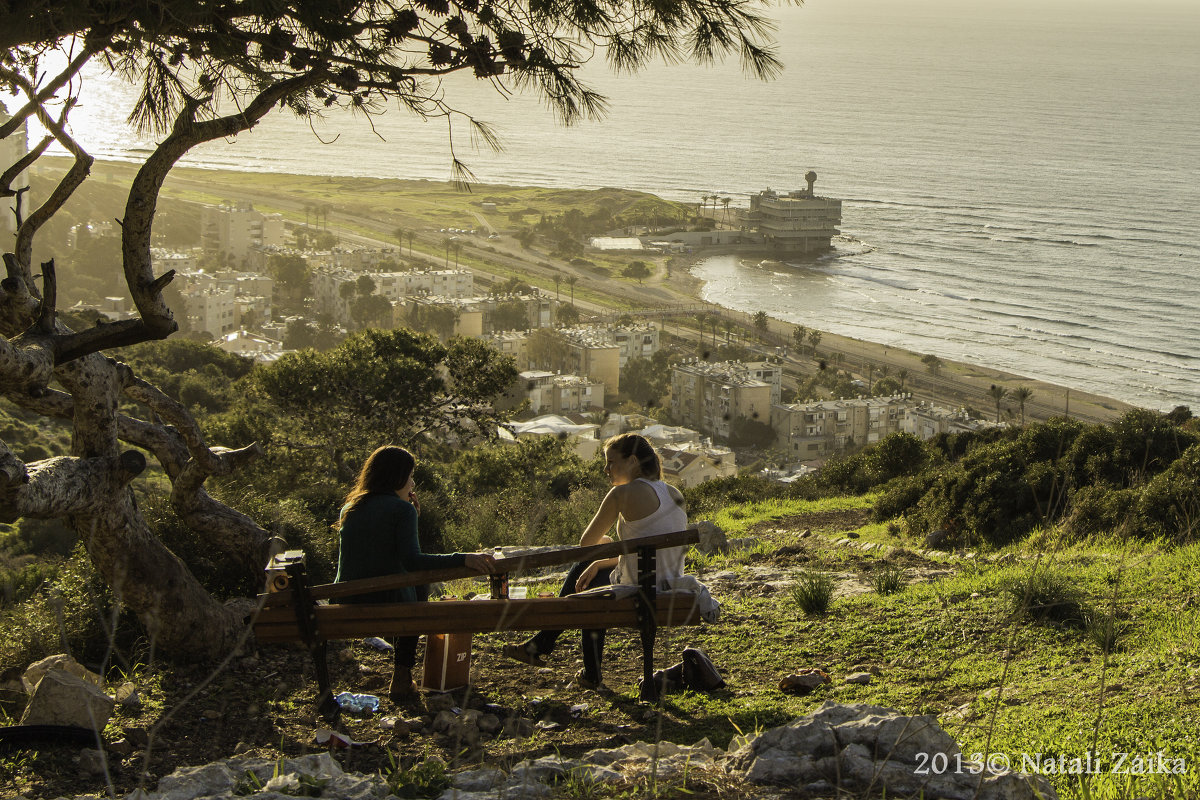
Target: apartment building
<point x="641" y="340"/>
<point x="592" y="352"/>
<point x="711" y="396"/>
<point x="808" y="431"/>
<point x="925" y="421"/>
<point x="238" y="231"/>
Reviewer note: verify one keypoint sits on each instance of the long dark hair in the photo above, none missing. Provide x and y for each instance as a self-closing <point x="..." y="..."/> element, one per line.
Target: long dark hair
<point x="634" y="444"/>
<point x="385" y="471"/>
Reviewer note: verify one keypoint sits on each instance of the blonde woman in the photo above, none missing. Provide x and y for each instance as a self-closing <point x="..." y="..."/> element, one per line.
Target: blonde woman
<point x="640" y="503"/>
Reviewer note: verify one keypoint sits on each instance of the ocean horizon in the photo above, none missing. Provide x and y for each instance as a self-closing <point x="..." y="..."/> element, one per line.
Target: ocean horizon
<point x="1019" y="182"/>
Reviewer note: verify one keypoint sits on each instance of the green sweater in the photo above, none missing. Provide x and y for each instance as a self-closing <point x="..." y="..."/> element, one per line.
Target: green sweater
<point x="379" y="537"/>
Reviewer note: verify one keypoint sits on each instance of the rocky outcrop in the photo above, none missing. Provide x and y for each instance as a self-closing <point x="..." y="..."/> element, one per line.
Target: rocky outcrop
<point x="868" y="750"/>
<point x="864" y="750"/>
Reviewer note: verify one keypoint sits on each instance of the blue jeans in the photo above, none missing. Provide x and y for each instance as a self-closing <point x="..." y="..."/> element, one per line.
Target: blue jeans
<point x="593" y="640"/>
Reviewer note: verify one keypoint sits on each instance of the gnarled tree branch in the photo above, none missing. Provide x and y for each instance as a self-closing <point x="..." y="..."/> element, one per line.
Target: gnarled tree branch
<point x="63" y="486"/>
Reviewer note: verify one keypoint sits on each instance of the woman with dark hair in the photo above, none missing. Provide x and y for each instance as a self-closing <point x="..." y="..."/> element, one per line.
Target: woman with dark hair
<point x="640" y="503"/>
<point x="377" y="535"/>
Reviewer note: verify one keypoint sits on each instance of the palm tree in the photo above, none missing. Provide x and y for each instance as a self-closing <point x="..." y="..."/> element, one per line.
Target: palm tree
<point x="725" y="201"/>
<point x="902" y="374"/>
<point x="410" y="236"/>
<point x="571" y="281"/>
<point x="701" y="318"/>
<point x="814" y="338"/>
<point x="728" y="328"/>
<point x="998" y="393"/>
<point x="1022" y="394"/>
<point x="800" y="334"/>
<point x="557" y="281"/>
<point x="447" y="243"/>
<point x="457" y="250"/>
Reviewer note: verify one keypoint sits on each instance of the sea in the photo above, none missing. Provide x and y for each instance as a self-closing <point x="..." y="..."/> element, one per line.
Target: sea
<point x="1020" y="180"/>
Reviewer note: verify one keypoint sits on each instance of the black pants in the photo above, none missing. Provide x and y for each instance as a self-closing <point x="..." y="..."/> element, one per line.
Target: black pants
<point x="406" y="646"/>
<point x="593" y="640"/>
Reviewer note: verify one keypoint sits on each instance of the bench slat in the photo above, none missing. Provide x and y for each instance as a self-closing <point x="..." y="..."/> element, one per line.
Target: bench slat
<point x="339" y="621"/>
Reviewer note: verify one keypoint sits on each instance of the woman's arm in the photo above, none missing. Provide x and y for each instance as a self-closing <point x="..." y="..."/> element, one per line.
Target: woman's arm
<point x="605" y="517"/>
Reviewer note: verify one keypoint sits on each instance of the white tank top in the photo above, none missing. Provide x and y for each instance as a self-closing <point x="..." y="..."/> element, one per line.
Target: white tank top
<point x="667" y="518"/>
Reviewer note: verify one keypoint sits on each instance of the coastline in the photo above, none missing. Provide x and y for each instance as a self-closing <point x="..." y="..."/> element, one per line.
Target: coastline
<point x="358" y="203"/>
<point x="973" y="380"/>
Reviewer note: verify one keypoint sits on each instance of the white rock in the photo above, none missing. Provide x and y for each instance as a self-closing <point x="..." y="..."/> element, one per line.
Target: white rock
<point x="479" y="780"/>
<point x="62" y="698"/>
<point x="861" y="678"/>
<point x="188" y="783"/>
<point x="62" y="661"/>
<point x="863" y="748"/>
<point x="712" y="538"/>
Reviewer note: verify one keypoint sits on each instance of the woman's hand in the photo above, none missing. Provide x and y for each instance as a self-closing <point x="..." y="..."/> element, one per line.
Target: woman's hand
<point x="412" y="498"/>
<point x="589" y="574"/>
<point x="480" y="562"/>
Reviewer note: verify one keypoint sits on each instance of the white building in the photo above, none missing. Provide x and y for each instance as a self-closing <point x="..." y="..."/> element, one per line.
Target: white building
<point x="581" y="438"/>
<point x="238" y="231"/>
<point x="214" y="310"/>
<point x="250" y="345"/>
<point x="798" y="222"/>
<point x="694" y="464"/>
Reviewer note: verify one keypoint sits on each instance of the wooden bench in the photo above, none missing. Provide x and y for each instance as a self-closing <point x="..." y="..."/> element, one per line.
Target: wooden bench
<point x="293" y="611"/>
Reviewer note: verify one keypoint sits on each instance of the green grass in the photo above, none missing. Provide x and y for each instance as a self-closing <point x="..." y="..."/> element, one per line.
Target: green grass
<point x="813" y="593"/>
<point x="1004" y="683"/>
<point x="737" y="520"/>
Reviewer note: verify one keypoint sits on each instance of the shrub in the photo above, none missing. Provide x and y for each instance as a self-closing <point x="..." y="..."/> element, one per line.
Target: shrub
<point x="888" y="580"/>
<point x="813" y="592"/>
<point x="1044" y="593"/>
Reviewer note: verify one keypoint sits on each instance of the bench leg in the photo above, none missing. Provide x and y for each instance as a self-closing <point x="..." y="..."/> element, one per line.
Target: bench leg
<point x="649" y="690"/>
<point x="327" y="707"/>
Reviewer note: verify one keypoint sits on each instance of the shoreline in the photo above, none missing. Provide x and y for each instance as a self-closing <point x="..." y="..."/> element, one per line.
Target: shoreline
<point x="959" y="383"/>
<point x="1048" y="400"/>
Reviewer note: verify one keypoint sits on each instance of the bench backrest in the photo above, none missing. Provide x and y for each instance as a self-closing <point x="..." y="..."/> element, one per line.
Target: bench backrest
<point x="570" y="555"/>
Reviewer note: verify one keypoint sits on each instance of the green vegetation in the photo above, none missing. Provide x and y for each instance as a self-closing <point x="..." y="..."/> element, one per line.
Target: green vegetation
<point x="1086" y="590"/>
<point x="813" y="593"/>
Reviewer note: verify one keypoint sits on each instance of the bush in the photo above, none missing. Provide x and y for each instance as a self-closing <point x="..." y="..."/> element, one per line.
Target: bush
<point x="813" y="592"/>
<point x="1044" y="593"/>
<point x="888" y="580"/>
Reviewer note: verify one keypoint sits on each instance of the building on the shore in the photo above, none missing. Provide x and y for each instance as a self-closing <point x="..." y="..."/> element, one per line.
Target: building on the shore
<point x="799" y="222"/>
<point x="713" y="396"/>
